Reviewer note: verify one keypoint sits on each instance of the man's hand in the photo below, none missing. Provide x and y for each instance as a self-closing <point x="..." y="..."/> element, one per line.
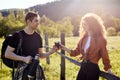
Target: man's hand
<point x="27" y="59"/>
<point x="54" y="49"/>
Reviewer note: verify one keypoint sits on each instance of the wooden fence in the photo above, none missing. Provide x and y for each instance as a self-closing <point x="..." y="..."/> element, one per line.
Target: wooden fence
<point x="63" y="57"/>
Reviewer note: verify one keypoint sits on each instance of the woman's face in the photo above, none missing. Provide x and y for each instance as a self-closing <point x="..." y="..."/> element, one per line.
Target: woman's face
<point x="85" y="26"/>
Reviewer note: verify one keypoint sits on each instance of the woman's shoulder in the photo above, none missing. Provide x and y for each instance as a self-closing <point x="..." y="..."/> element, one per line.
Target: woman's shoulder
<point x="102" y="40"/>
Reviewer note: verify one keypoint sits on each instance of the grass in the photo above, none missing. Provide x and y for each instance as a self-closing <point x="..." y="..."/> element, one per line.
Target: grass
<point x="52" y="70"/>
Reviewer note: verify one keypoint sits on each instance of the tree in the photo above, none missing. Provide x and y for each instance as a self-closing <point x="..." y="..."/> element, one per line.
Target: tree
<point x="20" y="16"/>
<point x="76" y="22"/>
<point x="48" y="26"/>
<point x="111" y="31"/>
<point x="66" y="26"/>
<point x="116" y="22"/>
<point x="4" y="30"/>
<point x="1" y="17"/>
<point x="10" y="20"/>
<point x="3" y="27"/>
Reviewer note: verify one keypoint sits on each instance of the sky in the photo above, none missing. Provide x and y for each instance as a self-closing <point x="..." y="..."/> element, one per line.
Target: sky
<point x="7" y="4"/>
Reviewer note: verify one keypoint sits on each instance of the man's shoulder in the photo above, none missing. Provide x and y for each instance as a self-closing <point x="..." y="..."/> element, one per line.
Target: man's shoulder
<point x="37" y="33"/>
<point x="18" y="34"/>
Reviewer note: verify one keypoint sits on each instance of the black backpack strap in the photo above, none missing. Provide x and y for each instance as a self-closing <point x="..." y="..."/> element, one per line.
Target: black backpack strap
<point x="20" y="43"/>
<point x="18" y="49"/>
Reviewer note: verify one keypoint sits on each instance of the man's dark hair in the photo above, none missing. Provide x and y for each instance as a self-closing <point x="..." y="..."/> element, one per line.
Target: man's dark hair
<point x="30" y="16"/>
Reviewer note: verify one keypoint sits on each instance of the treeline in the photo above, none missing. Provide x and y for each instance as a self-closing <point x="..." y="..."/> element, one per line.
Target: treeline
<point x="70" y="25"/>
<point x="13" y="22"/>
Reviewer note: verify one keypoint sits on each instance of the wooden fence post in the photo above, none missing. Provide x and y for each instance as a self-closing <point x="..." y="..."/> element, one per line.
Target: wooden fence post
<point x="62" y="75"/>
<point x="1" y="64"/>
<point x="47" y="49"/>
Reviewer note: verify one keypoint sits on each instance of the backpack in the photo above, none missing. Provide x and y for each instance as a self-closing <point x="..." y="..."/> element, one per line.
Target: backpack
<point x="8" y="62"/>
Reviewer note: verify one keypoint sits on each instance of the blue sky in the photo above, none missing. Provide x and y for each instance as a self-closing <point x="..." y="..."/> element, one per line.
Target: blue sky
<point x="7" y="4"/>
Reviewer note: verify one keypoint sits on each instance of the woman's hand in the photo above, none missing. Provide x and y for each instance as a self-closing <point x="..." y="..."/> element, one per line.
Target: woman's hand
<point x="109" y="71"/>
<point x="61" y="46"/>
<point x="65" y="48"/>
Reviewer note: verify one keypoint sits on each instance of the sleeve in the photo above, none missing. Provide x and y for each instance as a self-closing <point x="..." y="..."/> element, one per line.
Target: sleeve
<point x="41" y="42"/>
<point x="76" y="51"/>
<point x="104" y="55"/>
<point x="14" y="41"/>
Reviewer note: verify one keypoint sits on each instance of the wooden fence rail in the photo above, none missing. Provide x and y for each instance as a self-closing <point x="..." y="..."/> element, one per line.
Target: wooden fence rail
<point x="63" y="57"/>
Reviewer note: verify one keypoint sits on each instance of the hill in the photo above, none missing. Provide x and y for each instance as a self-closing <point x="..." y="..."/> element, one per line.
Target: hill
<point x="58" y="9"/>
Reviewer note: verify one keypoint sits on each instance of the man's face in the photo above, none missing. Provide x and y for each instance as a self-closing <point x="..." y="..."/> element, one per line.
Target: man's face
<point x="34" y="23"/>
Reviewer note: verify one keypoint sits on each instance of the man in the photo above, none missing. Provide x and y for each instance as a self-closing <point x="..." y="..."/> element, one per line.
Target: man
<point x="31" y="43"/>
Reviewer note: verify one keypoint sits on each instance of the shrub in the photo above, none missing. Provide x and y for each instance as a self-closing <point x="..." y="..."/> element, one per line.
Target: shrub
<point x="118" y="33"/>
<point x="111" y="31"/>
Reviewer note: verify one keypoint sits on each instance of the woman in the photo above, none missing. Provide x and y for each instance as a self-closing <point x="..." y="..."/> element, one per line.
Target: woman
<point x="92" y="46"/>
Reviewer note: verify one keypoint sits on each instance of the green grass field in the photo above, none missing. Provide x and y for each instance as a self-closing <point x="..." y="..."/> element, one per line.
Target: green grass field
<point x="52" y="70"/>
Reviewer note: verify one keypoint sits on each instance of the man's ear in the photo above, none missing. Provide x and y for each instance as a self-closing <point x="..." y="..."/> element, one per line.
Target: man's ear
<point x="28" y="21"/>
